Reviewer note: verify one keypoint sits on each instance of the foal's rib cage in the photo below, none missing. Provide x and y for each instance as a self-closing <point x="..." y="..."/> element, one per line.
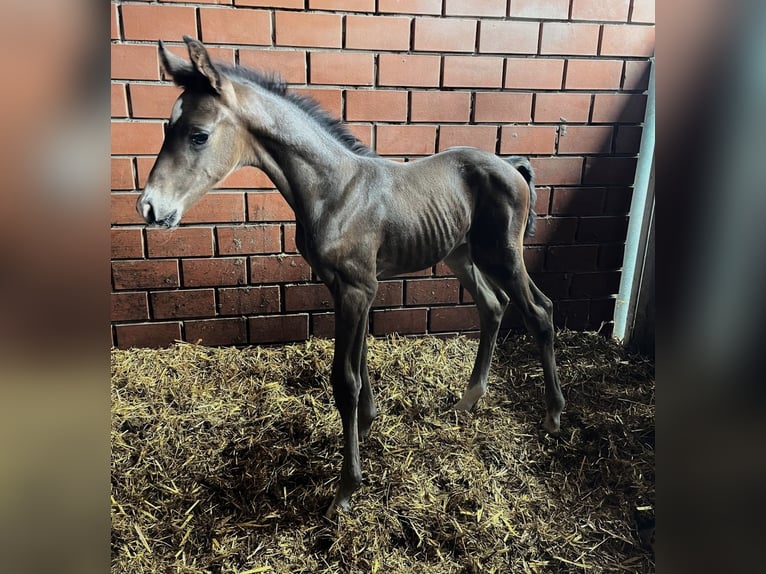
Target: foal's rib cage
<point x="359" y="217"/>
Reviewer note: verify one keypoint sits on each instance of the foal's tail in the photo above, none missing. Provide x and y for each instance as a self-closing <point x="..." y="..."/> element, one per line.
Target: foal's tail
<point x="525" y="169"/>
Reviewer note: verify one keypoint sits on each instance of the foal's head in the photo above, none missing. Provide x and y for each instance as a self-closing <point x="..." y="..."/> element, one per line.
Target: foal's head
<point x="204" y="140"/>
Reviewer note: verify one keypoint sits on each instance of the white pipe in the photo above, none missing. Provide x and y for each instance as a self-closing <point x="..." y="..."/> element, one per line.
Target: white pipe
<point x="641" y="207"/>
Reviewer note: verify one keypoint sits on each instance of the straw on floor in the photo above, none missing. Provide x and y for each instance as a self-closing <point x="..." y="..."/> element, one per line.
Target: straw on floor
<point x="224" y="460"/>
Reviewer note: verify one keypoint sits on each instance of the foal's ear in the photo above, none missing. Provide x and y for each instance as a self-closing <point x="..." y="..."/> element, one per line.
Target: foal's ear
<point x="200" y="59"/>
<point x="177" y="68"/>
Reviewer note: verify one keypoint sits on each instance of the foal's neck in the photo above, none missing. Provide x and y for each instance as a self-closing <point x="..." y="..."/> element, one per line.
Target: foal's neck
<point x="306" y="162"/>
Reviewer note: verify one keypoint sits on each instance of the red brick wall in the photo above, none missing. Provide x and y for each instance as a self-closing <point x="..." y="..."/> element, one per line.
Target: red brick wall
<point x="562" y="81"/>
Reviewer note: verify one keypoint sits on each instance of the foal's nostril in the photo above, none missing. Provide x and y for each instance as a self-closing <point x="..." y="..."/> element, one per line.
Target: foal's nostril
<point x="146" y="210"/>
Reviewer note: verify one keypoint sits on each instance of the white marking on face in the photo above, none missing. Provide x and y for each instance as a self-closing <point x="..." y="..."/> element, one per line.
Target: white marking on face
<point x="177" y="111"/>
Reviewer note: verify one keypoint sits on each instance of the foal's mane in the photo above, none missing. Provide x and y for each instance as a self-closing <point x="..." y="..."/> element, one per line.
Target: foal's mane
<point x="273" y="83"/>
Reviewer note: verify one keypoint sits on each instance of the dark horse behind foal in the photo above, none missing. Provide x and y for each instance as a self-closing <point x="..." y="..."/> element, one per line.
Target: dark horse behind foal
<point x="360" y="218"/>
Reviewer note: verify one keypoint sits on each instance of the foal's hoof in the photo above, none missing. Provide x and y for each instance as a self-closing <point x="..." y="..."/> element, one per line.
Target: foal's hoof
<point x="463" y="405"/>
<point x="552" y="424"/>
<point x="338" y="503"/>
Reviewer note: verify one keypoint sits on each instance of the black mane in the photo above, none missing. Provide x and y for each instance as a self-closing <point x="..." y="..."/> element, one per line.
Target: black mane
<point x="274" y="84"/>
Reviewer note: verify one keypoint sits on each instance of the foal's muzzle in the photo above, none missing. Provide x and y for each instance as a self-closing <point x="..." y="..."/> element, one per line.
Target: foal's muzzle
<point x="148" y="211"/>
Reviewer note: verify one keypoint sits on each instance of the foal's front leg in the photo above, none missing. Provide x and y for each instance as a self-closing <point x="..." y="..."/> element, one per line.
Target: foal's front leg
<point x="352" y="305"/>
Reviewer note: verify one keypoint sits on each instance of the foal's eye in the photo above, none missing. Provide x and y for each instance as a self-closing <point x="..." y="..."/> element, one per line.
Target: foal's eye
<point x="199" y="138"/>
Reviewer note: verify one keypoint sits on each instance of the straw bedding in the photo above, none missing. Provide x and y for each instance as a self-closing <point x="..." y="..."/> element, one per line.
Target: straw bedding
<point x="224" y="460"/>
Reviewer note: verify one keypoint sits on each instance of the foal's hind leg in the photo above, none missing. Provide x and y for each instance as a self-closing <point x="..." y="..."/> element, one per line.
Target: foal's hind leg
<point x="367" y="411"/>
<point x="491" y="302"/>
<point x="537" y="311"/>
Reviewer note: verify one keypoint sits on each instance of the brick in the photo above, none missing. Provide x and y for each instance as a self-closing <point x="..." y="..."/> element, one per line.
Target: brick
<point x="248" y="300"/>
<point x="390" y="294"/>
<point x="619" y="108"/>
<point x="127" y="243"/>
<point x="497" y="107"/>
<point x="217" y="207"/>
<point x="288" y="233"/>
<point x="280" y="329"/>
<point x="409" y="70"/>
<point x="214" y="272"/>
<point x="611" y="255"/>
<point x="118" y="101"/>
<point x="129" y="307"/>
<point x="578" y="200"/>
<point x="554" y="285"/>
<point x="595" y="284"/>
<point x="554" y="230"/>
<point x="268" y="3"/>
<point x="308" y="298"/>
<point x="345" y="5"/>
<point x="323" y="325"/>
<point x="643" y="11"/>
<point x="354" y="69"/>
<point x="268" y="206"/>
<point x="376" y="105"/>
<point x="241" y="240"/>
<point x="308" y="29"/>
<point x="527" y="139"/>
<point x="627" y="40"/>
<point x="473" y="71"/>
<point x="440" y="106"/>
<point x="598" y="10"/>
<point x="121" y="173"/>
<point x="290" y="65"/>
<point x="482" y="137"/>
<point x="601" y="311"/>
<point x="136" y="138"/>
<point x="406" y="140"/>
<point x="377" y="33"/>
<point x="115" y="26"/>
<point x="534" y="258"/>
<point x="123" y="209"/>
<point x="402" y="321"/>
<point x="179" y="242"/>
<point x="432" y="291"/>
<point x="536" y="10"/>
<point x="557" y="170"/>
<point x="454" y="319"/>
<point x="145" y="274"/>
<point x="585" y="139"/>
<point x="506" y="37"/>
<point x="156" y="22"/>
<point x="533" y="73"/>
<point x="181" y="304"/>
<point x="131" y="62"/>
<point x="246" y="177"/>
<point x="279" y="269"/>
<point x="609" y="170"/>
<point x="572" y="108"/>
<point x="593" y="75"/>
<point x="217" y="332"/>
<point x="569" y="39"/>
<point x="636" y="76"/>
<point x="475" y="7"/>
<point x="445" y="35"/>
<point x="628" y="139"/>
<point x="618" y="201"/>
<point x="217" y="54"/>
<point x="235" y="26"/>
<point x="152" y="100"/>
<point x="572" y="258"/>
<point x="602" y="229"/>
<point x="543" y="199"/>
<point x="151" y="335"/>
<point x="433" y="7"/>
<point x="331" y="100"/>
<point x="362" y="132"/>
<point x="571" y="314"/>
